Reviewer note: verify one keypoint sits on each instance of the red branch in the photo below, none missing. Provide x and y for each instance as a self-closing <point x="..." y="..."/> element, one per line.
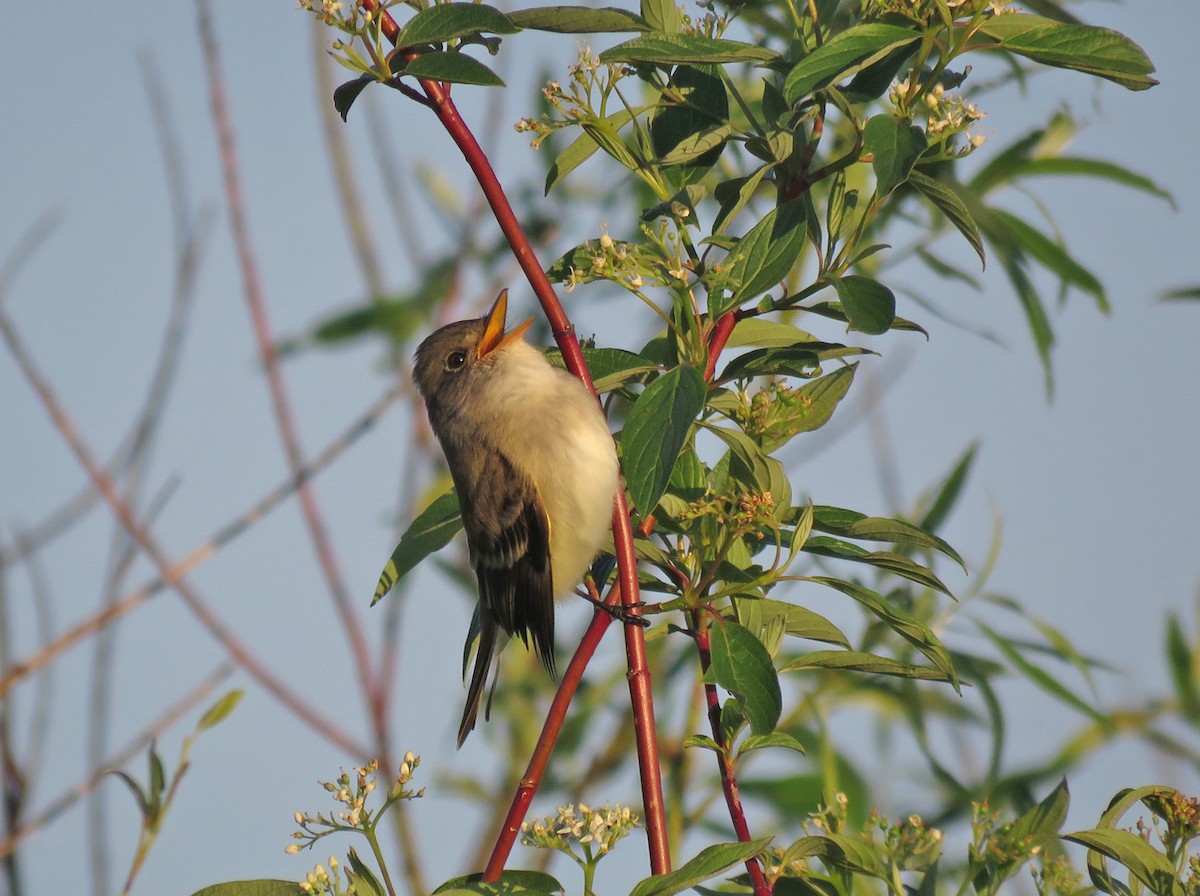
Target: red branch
<point x="733" y="799"/>
<point x="438" y="99"/>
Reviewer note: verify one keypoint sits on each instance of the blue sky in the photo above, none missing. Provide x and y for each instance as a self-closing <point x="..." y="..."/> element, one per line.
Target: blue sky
<point x="1096" y="492"/>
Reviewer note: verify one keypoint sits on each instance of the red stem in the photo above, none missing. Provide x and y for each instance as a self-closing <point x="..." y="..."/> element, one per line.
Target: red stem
<point x="733" y="799"/>
<point x="438" y="97"/>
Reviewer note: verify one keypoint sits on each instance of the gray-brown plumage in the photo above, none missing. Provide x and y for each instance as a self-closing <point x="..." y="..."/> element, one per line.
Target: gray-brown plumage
<point x="535" y="471"/>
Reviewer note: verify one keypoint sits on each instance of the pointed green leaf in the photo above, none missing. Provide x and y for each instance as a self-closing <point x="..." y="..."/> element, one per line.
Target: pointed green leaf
<point x="610" y="368"/>
<point x="765" y="255"/>
<point x="1053" y="256"/>
<point x="1085" y="48"/>
<point x="946" y="494"/>
<point x="1044" y="820"/>
<point x="852" y="524"/>
<point x="766" y="333"/>
<point x="457" y="68"/>
<point x="800" y="622"/>
<point x="431" y="531"/>
<point x="1040" y="677"/>
<point x="583" y="148"/>
<point x="662" y="16"/>
<point x="856" y="661"/>
<point x="741" y="665"/>
<point x="447" y="21"/>
<point x="843" y="55"/>
<point x="869" y="305"/>
<point x="577" y="19"/>
<point x="1146" y="863"/>
<point x="895" y="146"/>
<point x="363" y="877"/>
<point x="709" y="862"/>
<point x="907" y="626"/>
<point x="952" y="207"/>
<point x="219" y="711"/>
<point x="655" y="431"/>
<point x="774" y="739"/>
<point x="1183" y="667"/>
<point x="254" y="888"/>
<point x="344" y="95"/>
<point x="673" y="49"/>
<point x="511" y="883"/>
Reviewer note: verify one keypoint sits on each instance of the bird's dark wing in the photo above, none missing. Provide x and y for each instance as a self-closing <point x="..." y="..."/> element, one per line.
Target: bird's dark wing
<point x="509" y="536"/>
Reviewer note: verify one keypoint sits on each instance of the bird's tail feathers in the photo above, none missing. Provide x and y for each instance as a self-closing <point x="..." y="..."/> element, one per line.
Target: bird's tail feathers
<point x="485" y="654"/>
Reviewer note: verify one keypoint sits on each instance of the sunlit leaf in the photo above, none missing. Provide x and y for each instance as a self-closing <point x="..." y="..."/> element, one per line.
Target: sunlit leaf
<point x="431" y="531"/>
<point x="655" y="430"/>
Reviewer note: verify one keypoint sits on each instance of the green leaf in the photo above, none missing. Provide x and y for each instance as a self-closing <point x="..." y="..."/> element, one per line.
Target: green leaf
<point x="807" y="408"/>
<point x="765" y="255"/>
<point x="1146" y="863"/>
<point x="344" y="95"/>
<point x="949" y="204"/>
<point x="610" y="368"/>
<point x="766" y="333"/>
<point x="431" y="531"/>
<point x="1053" y="256"/>
<point x="662" y="16"/>
<point x="448" y="21"/>
<point x="1085" y="48"/>
<point x="869" y="305"/>
<point x="1103" y="169"/>
<point x="655" y="431"/>
<point x="253" y="888"/>
<point x="852" y="524"/>
<point x="1184" y="672"/>
<point x="709" y="862"/>
<point x="511" y="883"/>
<point x="447" y="65"/>
<point x="843" y="55"/>
<point x="363" y="877"/>
<point x="774" y="739"/>
<point x="732" y="196"/>
<point x="896" y="145"/>
<point x="907" y="626"/>
<point x="1040" y="676"/>
<point x="1044" y="820"/>
<point x="742" y="666"/>
<point x="692" y="131"/>
<point x="584" y="147"/>
<point x="758" y="614"/>
<point x="945" y="496"/>
<point x="697" y="145"/>
<point x="577" y="19"/>
<point x="673" y="49"/>
<point x="219" y="711"/>
<point x="856" y="661"/>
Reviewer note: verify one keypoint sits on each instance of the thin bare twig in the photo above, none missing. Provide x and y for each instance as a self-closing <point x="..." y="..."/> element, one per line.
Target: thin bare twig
<point x="18" y="671"/>
<point x="256" y="304"/>
<point x="191" y="598"/>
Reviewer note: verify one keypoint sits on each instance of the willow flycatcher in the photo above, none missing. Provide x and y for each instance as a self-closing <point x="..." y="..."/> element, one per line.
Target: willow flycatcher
<point x="535" y="470"/>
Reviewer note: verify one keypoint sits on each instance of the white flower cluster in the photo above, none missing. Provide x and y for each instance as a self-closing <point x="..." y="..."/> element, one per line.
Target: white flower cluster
<point x="599" y="828"/>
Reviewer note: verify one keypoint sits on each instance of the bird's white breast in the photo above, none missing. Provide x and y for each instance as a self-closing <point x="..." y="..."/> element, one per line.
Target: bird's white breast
<point x="549" y="425"/>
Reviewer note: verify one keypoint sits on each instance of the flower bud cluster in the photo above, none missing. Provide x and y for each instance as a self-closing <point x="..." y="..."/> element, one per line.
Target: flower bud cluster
<point x="585" y="96"/>
<point x="352" y="794"/>
<point x="597" y="830"/>
<point x="948" y="116"/>
<point x="320" y="882"/>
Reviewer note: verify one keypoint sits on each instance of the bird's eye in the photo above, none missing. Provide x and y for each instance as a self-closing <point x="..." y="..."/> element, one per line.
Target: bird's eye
<point x="456" y="359"/>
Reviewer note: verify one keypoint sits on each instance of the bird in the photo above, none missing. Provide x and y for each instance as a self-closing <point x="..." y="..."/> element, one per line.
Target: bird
<point x="535" y="469"/>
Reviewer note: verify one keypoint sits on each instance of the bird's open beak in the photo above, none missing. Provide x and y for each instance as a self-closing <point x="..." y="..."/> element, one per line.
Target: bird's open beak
<point x="494" y="338"/>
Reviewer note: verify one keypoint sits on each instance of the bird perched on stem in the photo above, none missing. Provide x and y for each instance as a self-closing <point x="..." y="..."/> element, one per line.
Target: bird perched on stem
<point x="535" y="470"/>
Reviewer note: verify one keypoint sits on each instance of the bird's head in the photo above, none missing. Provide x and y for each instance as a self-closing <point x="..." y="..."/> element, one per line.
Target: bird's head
<point x="449" y="362"/>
